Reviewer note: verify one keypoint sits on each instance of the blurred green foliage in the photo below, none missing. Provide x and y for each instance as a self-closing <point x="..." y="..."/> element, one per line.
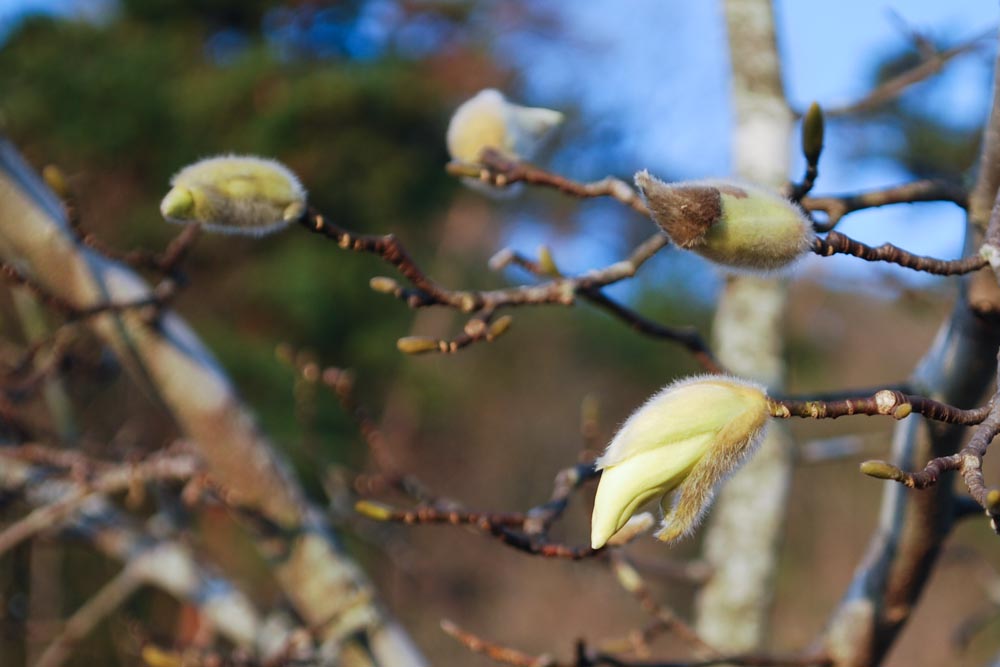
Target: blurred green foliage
<point x="121" y="106"/>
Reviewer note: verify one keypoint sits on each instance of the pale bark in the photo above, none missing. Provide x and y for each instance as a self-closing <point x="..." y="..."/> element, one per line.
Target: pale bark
<point x="325" y="587"/>
<point x="745" y="528"/>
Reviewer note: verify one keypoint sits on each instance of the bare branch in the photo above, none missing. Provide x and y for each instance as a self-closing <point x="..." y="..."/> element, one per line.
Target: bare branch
<point x="500" y="171"/>
<point x="836" y="243"/>
<point x="885" y="402"/>
<point x="837" y="206"/>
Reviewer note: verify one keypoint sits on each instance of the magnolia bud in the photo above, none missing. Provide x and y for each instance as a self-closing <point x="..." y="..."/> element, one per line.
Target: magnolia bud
<point x="733" y="224"/>
<point x="234" y="194"/>
<point x="488" y="120"/>
<point x="688" y="438"/>
<point x="812" y="133"/>
<point x="418" y="344"/>
<point x="56" y="180"/>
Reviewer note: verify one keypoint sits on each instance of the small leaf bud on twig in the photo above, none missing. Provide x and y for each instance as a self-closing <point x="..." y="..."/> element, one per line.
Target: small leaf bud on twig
<point x="418" y="344"/>
<point x="812" y="133"/>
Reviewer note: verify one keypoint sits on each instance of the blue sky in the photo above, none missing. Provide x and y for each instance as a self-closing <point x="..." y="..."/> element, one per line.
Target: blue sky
<point x="649" y="78"/>
<point x="657" y="71"/>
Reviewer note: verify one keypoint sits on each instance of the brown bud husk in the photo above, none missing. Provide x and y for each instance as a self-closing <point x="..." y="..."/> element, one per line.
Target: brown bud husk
<point x="732" y="224"/>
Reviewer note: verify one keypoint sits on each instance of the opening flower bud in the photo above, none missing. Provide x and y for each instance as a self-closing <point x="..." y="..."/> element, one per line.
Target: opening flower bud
<point x="489" y="120"/>
<point x="236" y="195"/>
<point x="733" y="224"/>
<point x="686" y="439"/>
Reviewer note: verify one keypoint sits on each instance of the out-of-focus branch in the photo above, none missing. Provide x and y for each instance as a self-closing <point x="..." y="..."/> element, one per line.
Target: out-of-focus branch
<point x="527" y="531"/>
<point x="325" y="587"/>
<point x="112" y="480"/>
<point x="111" y="596"/>
<point x="837" y="206"/>
<point x="559" y="291"/>
<point x="931" y="63"/>
<point x="586" y="657"/>
<point x="162" y="563"/>
<point x="635" y="585"/>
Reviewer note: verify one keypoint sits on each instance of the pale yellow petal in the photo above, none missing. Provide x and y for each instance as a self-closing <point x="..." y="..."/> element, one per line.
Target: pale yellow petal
<point x="626" y="486"/>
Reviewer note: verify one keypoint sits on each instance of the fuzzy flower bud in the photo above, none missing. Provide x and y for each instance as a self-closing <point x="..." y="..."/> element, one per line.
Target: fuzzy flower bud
<point x="488" y="120"/>
<point x="688" y="438"/>
<point x="235" y="195"/>
<point x="733" y="224"/>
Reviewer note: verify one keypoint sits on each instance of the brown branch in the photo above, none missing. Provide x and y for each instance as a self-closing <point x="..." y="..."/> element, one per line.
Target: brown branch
<point x="560" y="291"/>
<point x="500" y="171"/>
<point x="539" y="519"/>
<point x="885" y="402"/>
<point x="112" y="479"/>
<point x="494" y="651"/>
<point x="498" y="524"/>
<point x="486" y="521"/>
<point x="837" y="243"/>
<point x="70" y="310"/>
<point x="968" y="461"/>
<point x="837" y="206"/>
<point x="688" y="337"/>
<point x="103" y="603"/>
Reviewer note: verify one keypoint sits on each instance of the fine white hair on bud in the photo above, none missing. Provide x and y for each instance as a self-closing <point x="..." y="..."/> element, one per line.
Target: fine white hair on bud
<point x="489" y="120"/>
<point x="235" y="194"/>
<point x="733" y="224"/>
<point x="686" y="439"/>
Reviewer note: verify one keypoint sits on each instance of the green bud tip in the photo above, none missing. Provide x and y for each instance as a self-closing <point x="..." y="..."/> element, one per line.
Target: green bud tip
<point x="500" y="326"/>
<point x="54" y="178"/>
<point x="881" y="470"/>
<point x="993" y="501"/>
<point x="383" y="284"/>
<point x="546" y="262"/>
<point x="373" y="510"/>
<point x="812" y="133"/>
<point x="417" y="344"/>
<point x="178" y="204"/>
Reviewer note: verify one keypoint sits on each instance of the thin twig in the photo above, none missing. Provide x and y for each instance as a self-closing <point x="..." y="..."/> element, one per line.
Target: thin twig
<point x="635" y="585"/>
<point x="110" y="480"/>
<point x="837" y="243"/>
<point x="497" y="170"/>
<point x="688" y="337"/>
<point x="837" y="206"/>
<point x="111" y="596"/>
<point x="968" y="461"/>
